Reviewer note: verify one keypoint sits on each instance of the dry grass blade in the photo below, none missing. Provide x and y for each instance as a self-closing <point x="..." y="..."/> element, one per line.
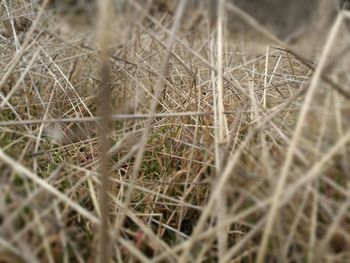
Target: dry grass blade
<point x="115" y="117"/>
<point x="104" y="241"/>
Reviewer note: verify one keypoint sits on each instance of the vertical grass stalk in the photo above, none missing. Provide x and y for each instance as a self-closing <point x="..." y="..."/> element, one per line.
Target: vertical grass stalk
<point x="103" y="38"/>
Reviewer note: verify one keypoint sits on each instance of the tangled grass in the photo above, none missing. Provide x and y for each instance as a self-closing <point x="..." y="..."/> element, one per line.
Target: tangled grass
<point x="222" y="148"/>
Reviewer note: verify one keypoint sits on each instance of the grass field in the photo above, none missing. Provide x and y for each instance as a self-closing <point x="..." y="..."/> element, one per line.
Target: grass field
<point x="160" y="132"/>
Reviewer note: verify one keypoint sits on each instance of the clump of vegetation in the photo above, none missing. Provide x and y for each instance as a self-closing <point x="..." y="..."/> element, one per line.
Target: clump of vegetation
<point x="224" y="144"/>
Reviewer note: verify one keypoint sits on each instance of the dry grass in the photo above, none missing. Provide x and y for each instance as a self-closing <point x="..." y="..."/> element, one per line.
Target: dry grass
<point x="220" y="148"/>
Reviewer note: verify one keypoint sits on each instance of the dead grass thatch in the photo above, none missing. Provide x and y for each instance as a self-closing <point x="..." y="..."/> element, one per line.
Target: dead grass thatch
<point x="224" y="146"/>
